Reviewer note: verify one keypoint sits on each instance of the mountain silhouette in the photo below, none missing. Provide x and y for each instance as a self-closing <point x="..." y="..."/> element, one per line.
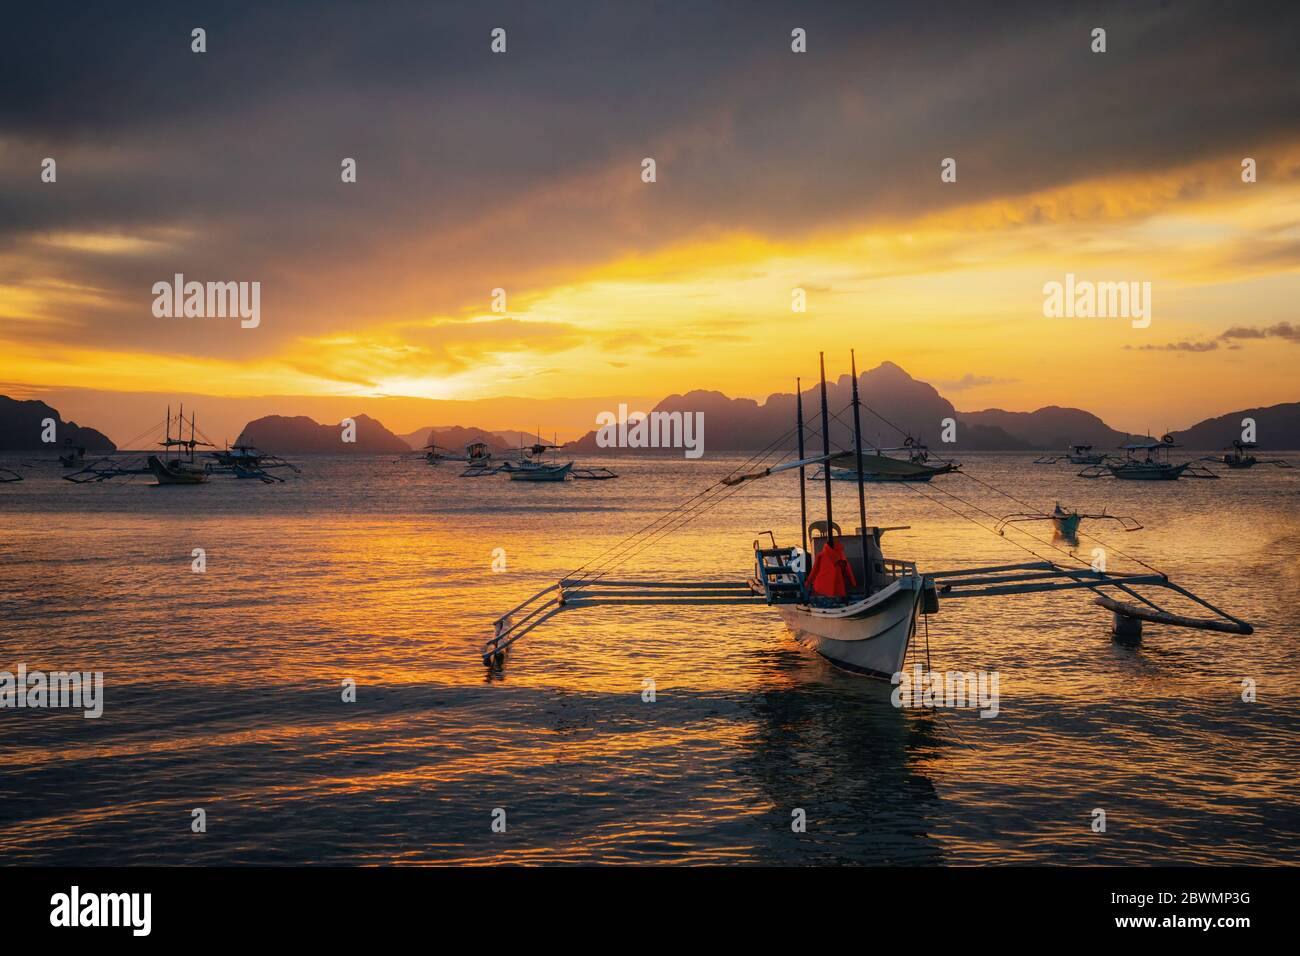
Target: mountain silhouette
<point x="22" y="425"/>
<point x="301" y="435"/>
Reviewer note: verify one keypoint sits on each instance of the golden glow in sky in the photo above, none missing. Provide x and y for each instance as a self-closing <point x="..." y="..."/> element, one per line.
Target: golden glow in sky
<point x="953" y="296"/>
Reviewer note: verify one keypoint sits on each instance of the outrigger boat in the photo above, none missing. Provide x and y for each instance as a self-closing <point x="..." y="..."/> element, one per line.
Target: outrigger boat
<point x="1066" y="523"/>
<point x="433" y="454"/>
<point x="1240" y="457"/>
<point x="854" y="607"/>
<point x="179" y="470"/>
<point x="1143" y="461"/>
<point x="241" y="461"/>
<point x="1079" y="453"/>
<point x="247" y="461"/>
<point x="478" y="456"/>
<point x="879" y="466"/>
<point x="74" y="457"/>
<point x="529" y="465"/>
<point x="537" y="471"/>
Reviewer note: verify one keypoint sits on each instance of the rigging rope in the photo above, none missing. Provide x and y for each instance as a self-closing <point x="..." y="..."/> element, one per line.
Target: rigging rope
<point x="1026" y="504"/>
<point x="705" y="501"/>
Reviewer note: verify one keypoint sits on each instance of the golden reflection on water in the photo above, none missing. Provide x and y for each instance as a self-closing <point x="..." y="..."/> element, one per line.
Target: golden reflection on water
<point x="224" y="688"/>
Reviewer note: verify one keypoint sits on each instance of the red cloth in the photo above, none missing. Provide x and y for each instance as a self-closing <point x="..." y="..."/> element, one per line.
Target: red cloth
<point x="832" y="575"/>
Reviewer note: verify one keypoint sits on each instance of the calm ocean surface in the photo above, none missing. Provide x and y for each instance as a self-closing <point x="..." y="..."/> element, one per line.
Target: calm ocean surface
<point x="222" y="689"/>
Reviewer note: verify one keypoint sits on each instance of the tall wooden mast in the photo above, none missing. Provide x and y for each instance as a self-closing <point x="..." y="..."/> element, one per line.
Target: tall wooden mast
<point x="803" y="491"/>
<point x="826" y="449"/>
<point x="857" y="450"/>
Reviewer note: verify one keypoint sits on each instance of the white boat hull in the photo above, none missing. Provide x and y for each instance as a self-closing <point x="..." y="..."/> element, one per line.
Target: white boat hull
<point x="870" y="637"/>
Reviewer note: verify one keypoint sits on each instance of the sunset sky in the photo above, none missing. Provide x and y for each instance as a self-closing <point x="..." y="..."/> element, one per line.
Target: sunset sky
<point x="522" y="171"/>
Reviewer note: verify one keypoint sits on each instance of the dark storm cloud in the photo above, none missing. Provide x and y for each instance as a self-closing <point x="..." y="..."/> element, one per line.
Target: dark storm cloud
<point x="517" y="161"/>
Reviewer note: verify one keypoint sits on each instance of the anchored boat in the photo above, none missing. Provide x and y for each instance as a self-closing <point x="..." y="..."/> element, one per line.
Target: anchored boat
<point x="851" y="604"/>
<point x="878" y="465"/>
<point x="538" y="471"/>
<point x="73" y="457"/>
<point x="1240" y="457"/>
<point x="530" y="465"/>
<point x="1066" y="522"/>
<point x="1148" y="460"/>
<point x="248" y="461"/>
<point x="181" y="470"/>
<point x="1078" y="453"/>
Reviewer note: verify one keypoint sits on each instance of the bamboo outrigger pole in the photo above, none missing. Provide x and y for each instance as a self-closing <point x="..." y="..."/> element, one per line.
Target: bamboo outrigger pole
<point x="826" y="448"/>
<point x="803" y="491"/>
<point x="857" y="450"/>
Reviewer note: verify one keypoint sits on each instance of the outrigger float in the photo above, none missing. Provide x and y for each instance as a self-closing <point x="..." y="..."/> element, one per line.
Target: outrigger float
<point x="854" y="607"/>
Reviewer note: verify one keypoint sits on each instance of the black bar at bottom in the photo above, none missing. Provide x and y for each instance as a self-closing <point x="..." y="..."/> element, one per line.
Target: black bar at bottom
<point x="301" y="904"/>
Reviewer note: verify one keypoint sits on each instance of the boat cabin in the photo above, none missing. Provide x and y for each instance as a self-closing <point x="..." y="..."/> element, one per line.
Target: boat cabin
<point x="785" y="579"/>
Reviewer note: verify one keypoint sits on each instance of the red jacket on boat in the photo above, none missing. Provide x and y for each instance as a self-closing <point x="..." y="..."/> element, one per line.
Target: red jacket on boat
<point x="832" y="575"/>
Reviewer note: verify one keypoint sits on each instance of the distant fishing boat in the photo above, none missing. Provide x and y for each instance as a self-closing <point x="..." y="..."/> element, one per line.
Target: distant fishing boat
<point x="878" y="465"/>
<point x="74" y="457"/>
<point x="434" y="454"/>
<point x="1240" y="457"/>
<point x="1148" y="460"/>
<point x="853" y="606"/>
<point x="478" y="458"/>
<point x="529" y="465"/>
<point x="537" y="471"/>
<point x="248" y="461"/>
<point x="1078" y="453"/>
<point x="179" y="470"/>
<point x="1066" y="522"/>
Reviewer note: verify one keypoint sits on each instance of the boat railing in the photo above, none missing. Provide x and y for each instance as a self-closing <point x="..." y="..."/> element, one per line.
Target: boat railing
<point x="895" y="569"/>
<point x="779" y="572"/>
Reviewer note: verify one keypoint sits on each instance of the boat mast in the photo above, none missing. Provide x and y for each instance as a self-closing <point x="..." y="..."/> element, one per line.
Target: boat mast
<point x="857" y="449"/>
<point x="803" y="491"/>
<point x="826" y="448"/>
